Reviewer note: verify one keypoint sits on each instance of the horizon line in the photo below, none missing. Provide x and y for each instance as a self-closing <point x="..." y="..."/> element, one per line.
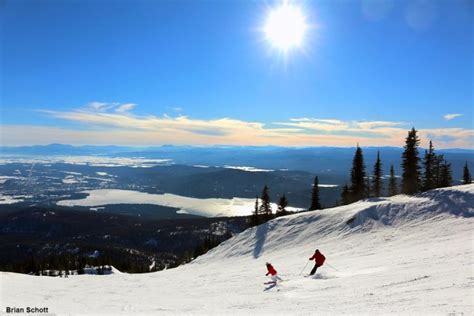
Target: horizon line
<point x="219" y="146"/>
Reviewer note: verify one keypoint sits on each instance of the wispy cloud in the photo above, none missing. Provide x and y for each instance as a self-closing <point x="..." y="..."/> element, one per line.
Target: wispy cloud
<point x="100" y="106"/>
<point x="96" y="106"/>
<point x="111" y="123"/>
<point x="334" y="126"/>
<point x="125" y="107"/>
<point x="449" y="117"/>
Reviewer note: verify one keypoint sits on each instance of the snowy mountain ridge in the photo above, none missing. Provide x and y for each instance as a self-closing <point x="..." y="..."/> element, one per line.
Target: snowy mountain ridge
<point x="397" y="255"/>
<point x="366" y="215"/>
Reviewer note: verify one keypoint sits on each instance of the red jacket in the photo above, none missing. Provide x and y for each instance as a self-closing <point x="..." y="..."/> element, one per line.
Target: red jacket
<point x="318" y="257"/>
<point x="271" y="270"/>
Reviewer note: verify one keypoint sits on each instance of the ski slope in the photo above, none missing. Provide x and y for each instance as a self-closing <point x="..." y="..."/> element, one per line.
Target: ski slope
<point x="398" y="255"/>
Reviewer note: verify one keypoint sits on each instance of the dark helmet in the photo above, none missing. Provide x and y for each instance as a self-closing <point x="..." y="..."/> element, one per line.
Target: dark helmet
<point x="267" y="263"/>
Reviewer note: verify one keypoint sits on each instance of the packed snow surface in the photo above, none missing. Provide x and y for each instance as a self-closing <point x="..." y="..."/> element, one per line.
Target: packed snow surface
<point x="398" y="255"/>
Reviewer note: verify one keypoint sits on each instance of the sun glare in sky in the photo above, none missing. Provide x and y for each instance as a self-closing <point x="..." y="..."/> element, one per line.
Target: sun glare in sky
<point x="285" y="27"/>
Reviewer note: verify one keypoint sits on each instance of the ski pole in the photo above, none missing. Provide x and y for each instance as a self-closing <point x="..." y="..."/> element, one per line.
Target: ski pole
<point x="304" y="267"/>
<point x="332" y="266"/>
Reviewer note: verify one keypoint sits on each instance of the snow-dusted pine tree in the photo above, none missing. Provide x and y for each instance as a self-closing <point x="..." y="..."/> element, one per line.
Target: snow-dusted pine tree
<point x="411" y="182"/>
<point x="392" y="183"/>
<point x="358" y="187"/>
<point x="429" y="166"/>
<point x="377" y="177"/>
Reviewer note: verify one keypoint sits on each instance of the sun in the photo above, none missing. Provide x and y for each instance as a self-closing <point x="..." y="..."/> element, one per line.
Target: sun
<point x="285" y="27"/>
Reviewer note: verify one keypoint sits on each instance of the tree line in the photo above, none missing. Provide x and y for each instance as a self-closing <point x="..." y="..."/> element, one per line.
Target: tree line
<point x="418" y="175"/>
<point x="263" y="209"/>
<point x="69" y="264"/>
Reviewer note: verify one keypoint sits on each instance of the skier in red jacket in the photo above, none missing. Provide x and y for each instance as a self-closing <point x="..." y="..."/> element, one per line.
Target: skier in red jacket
<point x="319" y="259"/>
<point x="272" y="272"/>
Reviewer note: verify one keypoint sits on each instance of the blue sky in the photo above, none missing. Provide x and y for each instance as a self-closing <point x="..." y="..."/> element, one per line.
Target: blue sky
<point x="201" y="72"/>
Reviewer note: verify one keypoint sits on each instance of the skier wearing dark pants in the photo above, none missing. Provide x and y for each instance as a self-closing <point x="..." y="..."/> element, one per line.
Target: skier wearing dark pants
<point x="319" y="259"/>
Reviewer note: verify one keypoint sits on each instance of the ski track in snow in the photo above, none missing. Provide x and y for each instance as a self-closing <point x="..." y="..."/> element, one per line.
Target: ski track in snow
<point x="399" y="255"/>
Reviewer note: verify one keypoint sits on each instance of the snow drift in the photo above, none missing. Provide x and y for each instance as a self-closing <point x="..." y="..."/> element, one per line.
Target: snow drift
<point x="404" y="255"/>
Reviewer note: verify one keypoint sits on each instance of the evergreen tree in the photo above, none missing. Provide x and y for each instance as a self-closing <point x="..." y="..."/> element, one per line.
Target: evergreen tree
<point x="368" y="191"/>
<point x="345" y="195"/>
<point x="377" y="177"/>
<point x="446" y="174"/>
<point x="392" y="183"/>
<point x="282" y="204"/>
<point x="265" y="207"/>
<point x="315" y="204"/>
<point x="255" y="212"/>
<point x="437" y="167"/>
<point x="255" y="218"/>
<point x="358" y="187"/>
<point x="410" y="164"/>
<point x="429" y="164"/>
<point x="466" y="178"/>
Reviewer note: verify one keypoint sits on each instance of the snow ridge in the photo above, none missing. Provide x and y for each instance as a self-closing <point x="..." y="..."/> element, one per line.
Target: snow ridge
<point x="362" y="216"/>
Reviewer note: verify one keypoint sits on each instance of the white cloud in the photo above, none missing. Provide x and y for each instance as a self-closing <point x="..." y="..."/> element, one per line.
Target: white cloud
<point x="122" y="108"/>
<point x="99" y="106"/>
<point x="109" y="106"/>
<point x="449" y="117"/>
<point x="337" y="126"/>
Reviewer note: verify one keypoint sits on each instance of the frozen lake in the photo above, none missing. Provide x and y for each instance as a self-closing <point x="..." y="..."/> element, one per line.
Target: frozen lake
<point x="204" y="207"/>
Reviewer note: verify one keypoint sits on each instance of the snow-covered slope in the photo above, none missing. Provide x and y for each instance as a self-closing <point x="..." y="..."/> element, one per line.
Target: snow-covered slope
<point x="404" y="255"/>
